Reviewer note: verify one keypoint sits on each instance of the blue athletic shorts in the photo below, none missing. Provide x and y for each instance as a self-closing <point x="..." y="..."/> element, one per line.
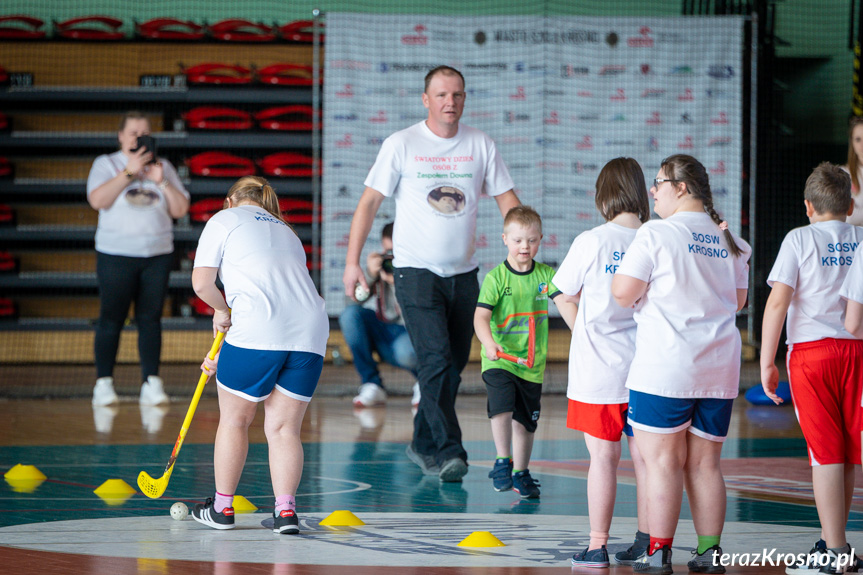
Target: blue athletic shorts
<point x="705" y="417"/>
<point x="252" y="374"/>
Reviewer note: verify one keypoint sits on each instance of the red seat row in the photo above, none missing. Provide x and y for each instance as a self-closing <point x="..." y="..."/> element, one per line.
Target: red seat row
<point x="281" y="118"/>
<point x="225" y="165"/>
<point x="281" y="74"/>
<point x="22" y="27"/>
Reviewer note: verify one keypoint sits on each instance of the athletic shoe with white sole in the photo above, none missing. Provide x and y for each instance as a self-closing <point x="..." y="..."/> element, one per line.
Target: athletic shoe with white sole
<point x="657" y="564"/>
<point x="525" y="485"/>
<point x="286" y="522"/>
<point x="453" y="469"/>
<point x="415" y="399"/>
<point x="707" y="562"/>
<point x="425" y="462"/>
<point x="103" y="392"/>
<point x="501" y="474"/>
<point x="206" y="514"/>
<point x="638" y="547"/>
<point x="370" y="394"/>
<point x="595" y="558"/>
<point x="153" y="391"/>
<point x="811" y="562"/>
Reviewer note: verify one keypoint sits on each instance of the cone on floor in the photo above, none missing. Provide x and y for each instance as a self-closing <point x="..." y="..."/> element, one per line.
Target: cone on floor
<point x="115" y="492"/>
<point x="24" y="478"/>
<point x="481" y="539"/>
<point x="342" y="519"/>
<point x="243" y="505"/>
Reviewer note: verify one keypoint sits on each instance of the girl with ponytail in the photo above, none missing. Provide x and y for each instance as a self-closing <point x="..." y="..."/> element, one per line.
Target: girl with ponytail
<point x="273" y="353"/>
<point x="687" y="276"/>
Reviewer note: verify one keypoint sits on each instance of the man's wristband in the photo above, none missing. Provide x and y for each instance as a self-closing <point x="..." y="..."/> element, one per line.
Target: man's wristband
<point x="129" y="174"/>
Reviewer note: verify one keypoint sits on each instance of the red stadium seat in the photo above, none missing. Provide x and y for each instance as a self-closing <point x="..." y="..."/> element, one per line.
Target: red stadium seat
<point x="287" y="118"/>
<point x="20" y="27"/>
<point x="170" y="29"/>
<point x="287" y="165"/>
<point x="217" y="118"/>
<point x="237" y="30"/>
<point x="220" y="165"/>
<point x="300" y="31"/>
<point x="216" y="73"/>
<point x="90" y="28"/>
<point x="287" y="74"/>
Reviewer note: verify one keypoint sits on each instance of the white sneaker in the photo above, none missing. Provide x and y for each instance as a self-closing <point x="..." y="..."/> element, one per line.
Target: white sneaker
<point x="370" y="394"/>
<point x="415" y="400"/>
<point x="103" y="392"/>
<point x="103" y="417"/>
<point x="152" y="416"/>
<point x="153" y="392"/>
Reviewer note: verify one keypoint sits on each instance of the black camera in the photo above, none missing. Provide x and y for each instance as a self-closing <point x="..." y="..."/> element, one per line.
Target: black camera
<point x="387" y="263"/>
<point x="148" y="142"/>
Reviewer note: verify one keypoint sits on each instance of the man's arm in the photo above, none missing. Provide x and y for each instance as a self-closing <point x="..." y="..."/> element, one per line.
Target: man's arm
<point x="507" y="201"/>
<point x="482" y="327"/>
<point x="775" y="311"/>
<point x="364" y="216"/>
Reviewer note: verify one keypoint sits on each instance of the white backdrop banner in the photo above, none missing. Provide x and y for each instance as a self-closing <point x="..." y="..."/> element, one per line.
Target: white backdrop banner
<point x="559" y="95"/>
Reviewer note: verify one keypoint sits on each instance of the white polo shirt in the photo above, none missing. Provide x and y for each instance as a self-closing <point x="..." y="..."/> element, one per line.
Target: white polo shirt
<point x="687" y="344"/>
<point x="274" y="303"/>
<point x="603" y="337"/>
<point x="814" y="260"/>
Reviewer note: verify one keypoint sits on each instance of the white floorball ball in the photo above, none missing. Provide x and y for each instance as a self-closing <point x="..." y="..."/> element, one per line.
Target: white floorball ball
<point x="179" y="511"/>
<point x="361" y="293"/>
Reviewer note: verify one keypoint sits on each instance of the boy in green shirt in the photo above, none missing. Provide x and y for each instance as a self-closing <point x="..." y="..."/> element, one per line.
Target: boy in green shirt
<point x="512" y="293"/>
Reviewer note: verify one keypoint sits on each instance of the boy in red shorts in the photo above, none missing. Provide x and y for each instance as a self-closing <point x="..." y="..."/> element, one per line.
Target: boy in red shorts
<point x="825" y="362"/>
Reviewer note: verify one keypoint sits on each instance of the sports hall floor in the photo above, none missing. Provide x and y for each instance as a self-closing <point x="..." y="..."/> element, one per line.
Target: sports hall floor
<point x="354" y="461"/>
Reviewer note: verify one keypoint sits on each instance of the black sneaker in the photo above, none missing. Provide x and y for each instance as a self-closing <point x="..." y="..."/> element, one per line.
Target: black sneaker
<point x="286" y="522"/>
<point x="501" y="474"/>
<point x="811" y="562"/>
<point x="425" y="462"/>
<point x="707" y="562"/>
<point x="657" y="564"/>
<point x="204" y="513"/>
<point x="525" y="485"/>
<point x="636" y="550"/>
<point x="840" y="561"/>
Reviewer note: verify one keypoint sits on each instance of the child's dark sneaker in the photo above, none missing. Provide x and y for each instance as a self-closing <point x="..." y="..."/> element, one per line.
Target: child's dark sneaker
<point x="638" y="547"/>
<point x="657" y="564"/>
<point x="597" y="558"/>
<point x="525" y="485"/>
<point x="286" y="521"/>
<point x="206" y="514"/>
<point x="707" y="562"/>
<point x="501" y="474"/>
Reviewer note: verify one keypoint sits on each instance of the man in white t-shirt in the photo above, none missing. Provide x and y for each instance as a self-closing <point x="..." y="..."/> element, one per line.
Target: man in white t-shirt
<point x="436" y="171"/>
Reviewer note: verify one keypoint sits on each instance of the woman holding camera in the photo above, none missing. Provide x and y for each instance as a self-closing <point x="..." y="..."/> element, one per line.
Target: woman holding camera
<point x="138" y="196"/>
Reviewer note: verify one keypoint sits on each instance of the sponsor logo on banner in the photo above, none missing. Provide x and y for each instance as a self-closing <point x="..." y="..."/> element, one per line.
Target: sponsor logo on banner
<point x="551" y="166"/>
<point x="548" y="143"/>
<point x="685" y="118"/>
<point x="550" y="241"/>
<point x="652" y="93"/>
<point x="345" y="117"/>
<point x="570" y="37"/>
<point x="551" y="191"/>
<point x="654" y="119"/>
<point x="586" y="143"/>
<point x="718" y="169"/>
<point x="482" y="241"/>
<point x="485" y="67"/>
<point x="375" y="140"/>
<point x="342" y="216"/>
<point x="411" y="67"/>
<point x="685" y="144"/>
<point x="346" y="92"/>
<point x="642" y="41"/>
<point x="532" y="69"/>
<point x="720" y="71"/>
<point x="719" y="142"/>
<point x="519" y="94"/>
<point x="477" y="94"/>
<point x="584" y="94"/>
<point x="514" y="140"/>
<point x="379" y="118"/>
<point x="413" y="117"/>
<point x="612" y="70"/>
<point x="619" y="95"/>
<point x="346" y="141"/>
<point x="713" y="93"/>
<point x="645" y="70"/>
<point x="552" y="93"/>
<point x="481" y="114"/>
<point x="652" y="144"/>
<point x="686" y="95"/>
<point x="574" y="71"/>
<point x="344" y="192"/>
<point x="612" y="39"/>
<point x="350" y="65"/>
<point x="479" y="37"/>
<point x="618" y="118"/>
<point x="586" y="117"/>
<point x="580" y="167"/>
<point x="552" y="119"/>
<point x="589" y="192"/>
<point x="681" y="71"/>
<point x="670" y="38"/>
<point x="612" y="143"/>
<point x="515" y="117"/>
<point x="721" y="119"/>
<point x="722" y="191"/>
<point x="418" y="38"/>
<point x="519" y="166"/>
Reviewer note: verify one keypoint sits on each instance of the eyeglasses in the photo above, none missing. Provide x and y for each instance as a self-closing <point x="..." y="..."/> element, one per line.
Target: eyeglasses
<point x="659" y="181"/>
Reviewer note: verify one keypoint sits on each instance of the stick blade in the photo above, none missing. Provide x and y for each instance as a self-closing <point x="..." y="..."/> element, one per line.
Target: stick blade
<point x="153" y="488"/>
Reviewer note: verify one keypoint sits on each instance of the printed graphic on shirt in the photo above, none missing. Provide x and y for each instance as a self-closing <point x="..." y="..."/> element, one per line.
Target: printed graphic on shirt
<point x="140" y="197"/>
<point x="447" y="200"/>
<point x="846" y="249"/>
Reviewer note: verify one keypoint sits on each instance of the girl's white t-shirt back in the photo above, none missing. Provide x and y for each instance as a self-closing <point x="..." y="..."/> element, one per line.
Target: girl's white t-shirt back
<point x="274" y="303"/>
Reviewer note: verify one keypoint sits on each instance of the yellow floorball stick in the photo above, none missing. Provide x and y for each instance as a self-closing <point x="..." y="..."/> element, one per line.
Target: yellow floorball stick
<point x="154" y="488"/>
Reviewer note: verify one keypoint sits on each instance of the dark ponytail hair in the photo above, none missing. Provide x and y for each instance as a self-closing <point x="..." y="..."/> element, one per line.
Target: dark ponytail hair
<point x="257" y="190"/>
<point x="853" y="161"/>
<point x="684" y="169"/>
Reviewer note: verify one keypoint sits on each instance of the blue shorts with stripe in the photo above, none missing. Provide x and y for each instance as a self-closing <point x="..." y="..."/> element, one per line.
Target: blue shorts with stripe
<point x="705" y="417"/>
<point x="252" y="373"/>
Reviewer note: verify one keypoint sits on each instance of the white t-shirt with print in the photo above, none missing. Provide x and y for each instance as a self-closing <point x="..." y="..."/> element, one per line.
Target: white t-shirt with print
<point x="437" y="183"/>
<point x="687" y="344"/>
<point x="274" y="304"/>
<point x="814" y="261"/>
<point x="852" y="287"/>
<point x="603" y="338"/>
<point x="138" y="223"/>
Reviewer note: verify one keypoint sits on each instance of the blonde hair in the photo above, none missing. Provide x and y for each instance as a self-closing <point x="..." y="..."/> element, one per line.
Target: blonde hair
<point x="620" y="188"/>
<point x="257" y="190"/>
<point x="684" y="169"/>
<point x="853" y="160"/>
<point x="828" y="189"/>
<point x="526" y="216"/>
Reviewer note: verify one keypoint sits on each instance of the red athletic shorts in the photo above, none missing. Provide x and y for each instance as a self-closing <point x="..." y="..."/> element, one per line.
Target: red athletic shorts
<point x="604" y="421"/>
<point x="826" y="378"/>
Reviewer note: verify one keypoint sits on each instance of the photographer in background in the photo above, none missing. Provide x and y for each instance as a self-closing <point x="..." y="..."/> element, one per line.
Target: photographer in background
<point x="376" y="324"/>
<point x="138" y="196"/>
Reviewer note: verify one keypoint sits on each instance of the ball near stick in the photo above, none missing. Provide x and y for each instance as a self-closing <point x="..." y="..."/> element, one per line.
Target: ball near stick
<point x="361" y="293"/>
<point x="179" y="511"/>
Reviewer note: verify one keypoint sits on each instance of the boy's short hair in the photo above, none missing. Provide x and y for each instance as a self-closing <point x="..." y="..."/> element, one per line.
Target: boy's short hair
<point x="828" y="189"/>
<point x="524" y="215"/>
<point x="387" y="232"/>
